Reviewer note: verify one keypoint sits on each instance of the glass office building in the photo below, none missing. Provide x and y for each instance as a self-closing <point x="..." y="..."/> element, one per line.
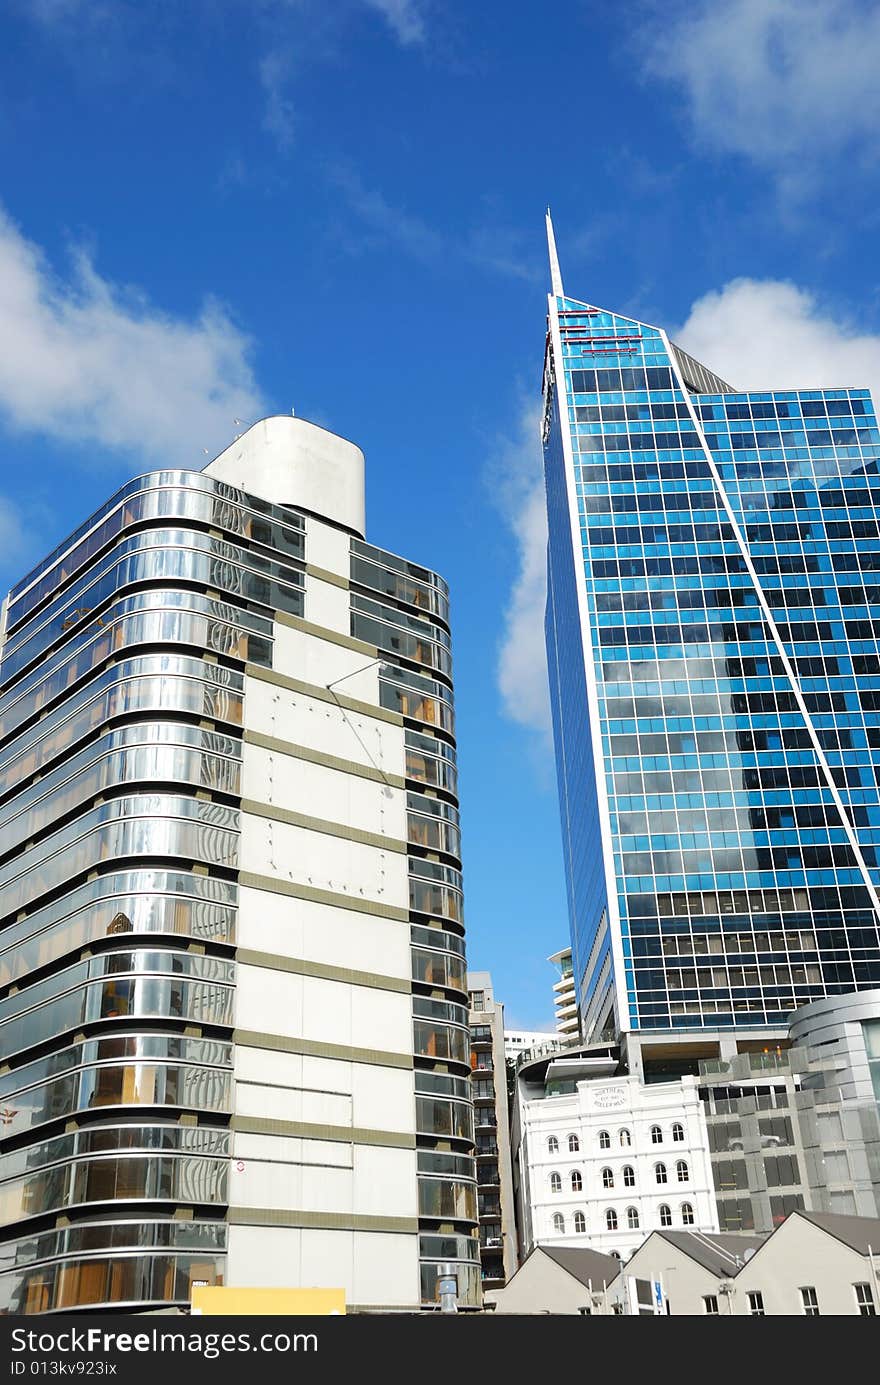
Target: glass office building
<point x="712" y="631"/>
<point x="233" y="1002"/>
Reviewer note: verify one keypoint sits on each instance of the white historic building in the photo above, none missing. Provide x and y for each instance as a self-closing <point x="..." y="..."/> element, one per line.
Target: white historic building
<point x="604" y="1160"/>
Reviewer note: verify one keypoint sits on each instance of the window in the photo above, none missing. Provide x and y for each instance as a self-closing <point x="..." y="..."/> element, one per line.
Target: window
<point x="629" y="1176"/>
<point x="559" y="1223"/>
<point x="580" y="1222"/>
<point x="656" y="1135"/>
<point x="625" y="1138"/>
<point x="756" y="1304"/>
<point x="665" y="1215"/>
<point x="477" y="998"/>
<point x="678" y="1132"/>
<point x="687" y="1214"/>
<point x="574" y="1144"/>
<point x="632" y="1218"/>
<point x="660" y="1173"/>
<point x="577" y="1182"/>
<point x="710" y="1305"/>
<point x="865" y="1301"/>
<point x="607" y="1178"/>
<point x="611" y="1219"/>
<point x="555" y="1183"/>
<point x="553" y="1145"/>
<point x="810" y="1302"/>
<point x="604" y="1139"/>
<point x="681" y="1171"/>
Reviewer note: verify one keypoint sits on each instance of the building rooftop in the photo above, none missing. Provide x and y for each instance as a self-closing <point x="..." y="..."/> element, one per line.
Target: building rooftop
<point x="859" y="1233"/>
<point x="722" y="1253"/>
<point x="586" y="1265"/>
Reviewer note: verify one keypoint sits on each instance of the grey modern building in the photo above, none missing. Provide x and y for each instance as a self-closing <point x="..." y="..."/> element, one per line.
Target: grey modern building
<point x="489" y="1087"/>
<point x="233" y="1015"/>
<point x="799" y="1128"/>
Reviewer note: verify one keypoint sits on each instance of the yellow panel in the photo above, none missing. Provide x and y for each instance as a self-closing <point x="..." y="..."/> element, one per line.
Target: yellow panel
<point x="217" y="1300"/>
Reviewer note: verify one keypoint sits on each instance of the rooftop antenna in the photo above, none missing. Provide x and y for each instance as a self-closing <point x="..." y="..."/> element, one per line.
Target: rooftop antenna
<point x="555" y="272"/>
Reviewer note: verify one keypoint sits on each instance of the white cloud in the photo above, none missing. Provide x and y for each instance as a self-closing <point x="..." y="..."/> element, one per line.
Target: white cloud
<point x="518" y="484"/>
<point x="19" y="537"/>
<point x="88" y="363"/>
<point x="278" y="113"/>
<point x="388" y="224"/>
<point x="761" y="334"/>
<point x="494" y="248"/>
<point x="405" y="18"/>
<point x="788" y="83"/>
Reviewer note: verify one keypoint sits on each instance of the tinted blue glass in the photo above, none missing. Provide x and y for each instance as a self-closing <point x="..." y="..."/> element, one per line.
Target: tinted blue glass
<point x="719" y="783"/>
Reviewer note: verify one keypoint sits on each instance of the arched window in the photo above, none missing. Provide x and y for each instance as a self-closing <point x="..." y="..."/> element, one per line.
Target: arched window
<point x="625" y="1138"/>
<point x="678" y="1132"/>
<point x="577" y="1182"/>
<point x="632" y="1218"/>
<point x="574" y="1144"/>
<point x="681" y="1171"/>
<point x="580" y="1222"/>
<point x="665" y="1215"/>
<point x="629" y="1176"/>
<point x="660" y="1173"/>
<point x="555" y="1183"/>
<point x="687" y="1214"/>
<point x="656" y="1135"/>
<point x="559" y="1223"/>
<point x="604" y="1139"/>
<point x="607" y="1178"/>
<point x="611" y="1219"/>
<point x="552" y="1145"/>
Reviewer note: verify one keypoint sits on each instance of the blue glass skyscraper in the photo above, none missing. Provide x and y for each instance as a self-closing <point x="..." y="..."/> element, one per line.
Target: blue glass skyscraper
<point x="712" y="626"/>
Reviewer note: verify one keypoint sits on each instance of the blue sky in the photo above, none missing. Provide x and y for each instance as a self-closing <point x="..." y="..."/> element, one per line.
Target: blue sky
<point x="223" y="208"/>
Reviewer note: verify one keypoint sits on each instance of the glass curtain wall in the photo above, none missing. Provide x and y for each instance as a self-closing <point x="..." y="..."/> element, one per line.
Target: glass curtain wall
<point x="713" y="622"/>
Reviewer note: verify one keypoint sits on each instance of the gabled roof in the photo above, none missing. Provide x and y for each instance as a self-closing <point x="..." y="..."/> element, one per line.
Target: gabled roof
<point x="856" y="1232"/>
<point x="721" y="1253"/>
<point x="585" y="1265"/>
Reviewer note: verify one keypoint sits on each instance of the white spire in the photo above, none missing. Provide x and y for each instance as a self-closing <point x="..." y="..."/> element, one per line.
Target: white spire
<point x="555" y="272"/>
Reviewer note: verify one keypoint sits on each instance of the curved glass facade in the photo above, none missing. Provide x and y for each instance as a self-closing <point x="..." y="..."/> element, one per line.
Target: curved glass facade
<point x="120" y="780"/>
<point x="151" y="684"/>
<point x="139" y="828"/>
<point x="123" y="1070"/>
<point x="182" y="558"/>
<point x="64" y="1269"/>
<point x="136" y="901"/>
<point x="159" y="496"/>
<point x="166" y="752"/>
<point x="157" y="617"/>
